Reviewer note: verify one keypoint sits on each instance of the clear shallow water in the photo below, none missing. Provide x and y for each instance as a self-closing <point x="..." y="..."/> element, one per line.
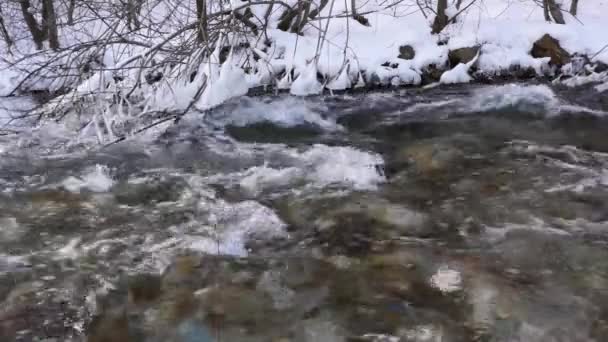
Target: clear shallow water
<point x="450" y="214"/>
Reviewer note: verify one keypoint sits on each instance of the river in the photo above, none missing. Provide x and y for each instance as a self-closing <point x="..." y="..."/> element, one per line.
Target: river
<point x="468" y="213"/>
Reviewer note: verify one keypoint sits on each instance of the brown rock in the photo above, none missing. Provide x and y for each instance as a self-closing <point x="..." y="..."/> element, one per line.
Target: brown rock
<point x="406" y="52"/>
<point x="548" y="46"/>
<point x="462" y="55"/>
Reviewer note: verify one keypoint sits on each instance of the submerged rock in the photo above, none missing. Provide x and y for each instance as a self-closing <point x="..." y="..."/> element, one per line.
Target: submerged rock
<point x="153" y="191"/>
<point x="111" y="327"/>
<point x="192" y="331"/>
<point x="144" y="288"/>
<point x="431" y="157"/>
<point x="351" y="225"/>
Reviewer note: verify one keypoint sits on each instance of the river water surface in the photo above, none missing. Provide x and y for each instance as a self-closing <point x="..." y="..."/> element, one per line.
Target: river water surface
<point x="450" y="214"/>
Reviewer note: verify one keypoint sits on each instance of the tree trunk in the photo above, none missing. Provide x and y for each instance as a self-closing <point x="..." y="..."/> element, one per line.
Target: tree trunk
<point x="315" y="12"/>
<point x="546" y="10"/>
<point x="288" y="16"/>
<point x="38" y="34"/>
<point x="356" y="16"/>
<point x="133" y="7"/>
<point x="302" y="18"/>
<point x="245" y="18"/>
<point x="71" y="9"/>
<point x="556" y="12"/>
<point x="4" y="32"/>
<point x="441" y="20"/>
<point x="49" y="20"/>
<point x="458" y="4"/>
<point x="574" y="7"/>
<point x="201" y="14"/>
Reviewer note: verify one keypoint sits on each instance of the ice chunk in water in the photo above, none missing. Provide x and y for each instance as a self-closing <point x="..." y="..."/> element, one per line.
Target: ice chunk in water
<point x="96" y="179"/>
<point x="446" y="280"/>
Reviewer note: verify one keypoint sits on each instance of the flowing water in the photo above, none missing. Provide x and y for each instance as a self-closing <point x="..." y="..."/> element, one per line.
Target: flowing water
<point x="450" y="214"/>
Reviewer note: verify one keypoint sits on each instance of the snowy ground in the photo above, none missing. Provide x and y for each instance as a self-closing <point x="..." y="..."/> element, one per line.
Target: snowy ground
<point x="506" y="31"/>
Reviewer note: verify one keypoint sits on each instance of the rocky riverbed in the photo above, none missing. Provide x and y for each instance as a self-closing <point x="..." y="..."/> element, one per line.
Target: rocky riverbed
<point x="448" y="214"/>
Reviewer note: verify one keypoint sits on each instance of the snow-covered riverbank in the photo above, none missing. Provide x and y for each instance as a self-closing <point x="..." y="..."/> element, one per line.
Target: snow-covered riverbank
<point x="486" y="41"/>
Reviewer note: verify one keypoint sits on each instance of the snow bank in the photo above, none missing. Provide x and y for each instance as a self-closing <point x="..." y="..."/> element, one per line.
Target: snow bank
<point x="229" y="82"/>
<point x="348" y="53"/>
<point x="8" y="80"/>
<point x="460" y="74"/>
<point x="12" y="109"/>
<point x="505" y="31"/>
<point x="306" y="83"/>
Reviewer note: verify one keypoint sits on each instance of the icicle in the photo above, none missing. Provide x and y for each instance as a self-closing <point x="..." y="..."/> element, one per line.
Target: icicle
<point x="342" y="80"/>
<point x="100" y="138"/>
<point x="285" y="82"/>
<point x="360" y="81"/>
<point x="108" y="122"/>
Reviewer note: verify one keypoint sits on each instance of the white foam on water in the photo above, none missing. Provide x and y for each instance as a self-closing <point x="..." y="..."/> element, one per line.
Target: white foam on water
<point x="10" y="230"/>
<point x="10" y="262"/>
<point x="343" y="165"/>
<point x="579" y="80"/>
<point x="599" y="179"/>
<point x="512" y="95"/>
<point x="225" y="230"/>
<point x="590" y="167"/>
<point x="431" y="105"/>
<point x="319" y="166"/>
<point x="71" y="250"/>
<point x="260" y="177"/>
<point x="96" y="179"/>
<point x="284" y="112"/>
<point x="569" y="108"/>
<point x="497" y="234"/>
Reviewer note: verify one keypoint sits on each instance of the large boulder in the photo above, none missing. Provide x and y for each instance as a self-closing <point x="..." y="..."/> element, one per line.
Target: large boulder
<point x="548" y="46"/>
<point x="463" y="55"/>
<point x="406" y="52"/>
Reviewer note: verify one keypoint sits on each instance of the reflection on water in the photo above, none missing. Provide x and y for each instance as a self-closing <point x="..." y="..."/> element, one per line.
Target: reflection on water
<point x="453" y="214"/>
